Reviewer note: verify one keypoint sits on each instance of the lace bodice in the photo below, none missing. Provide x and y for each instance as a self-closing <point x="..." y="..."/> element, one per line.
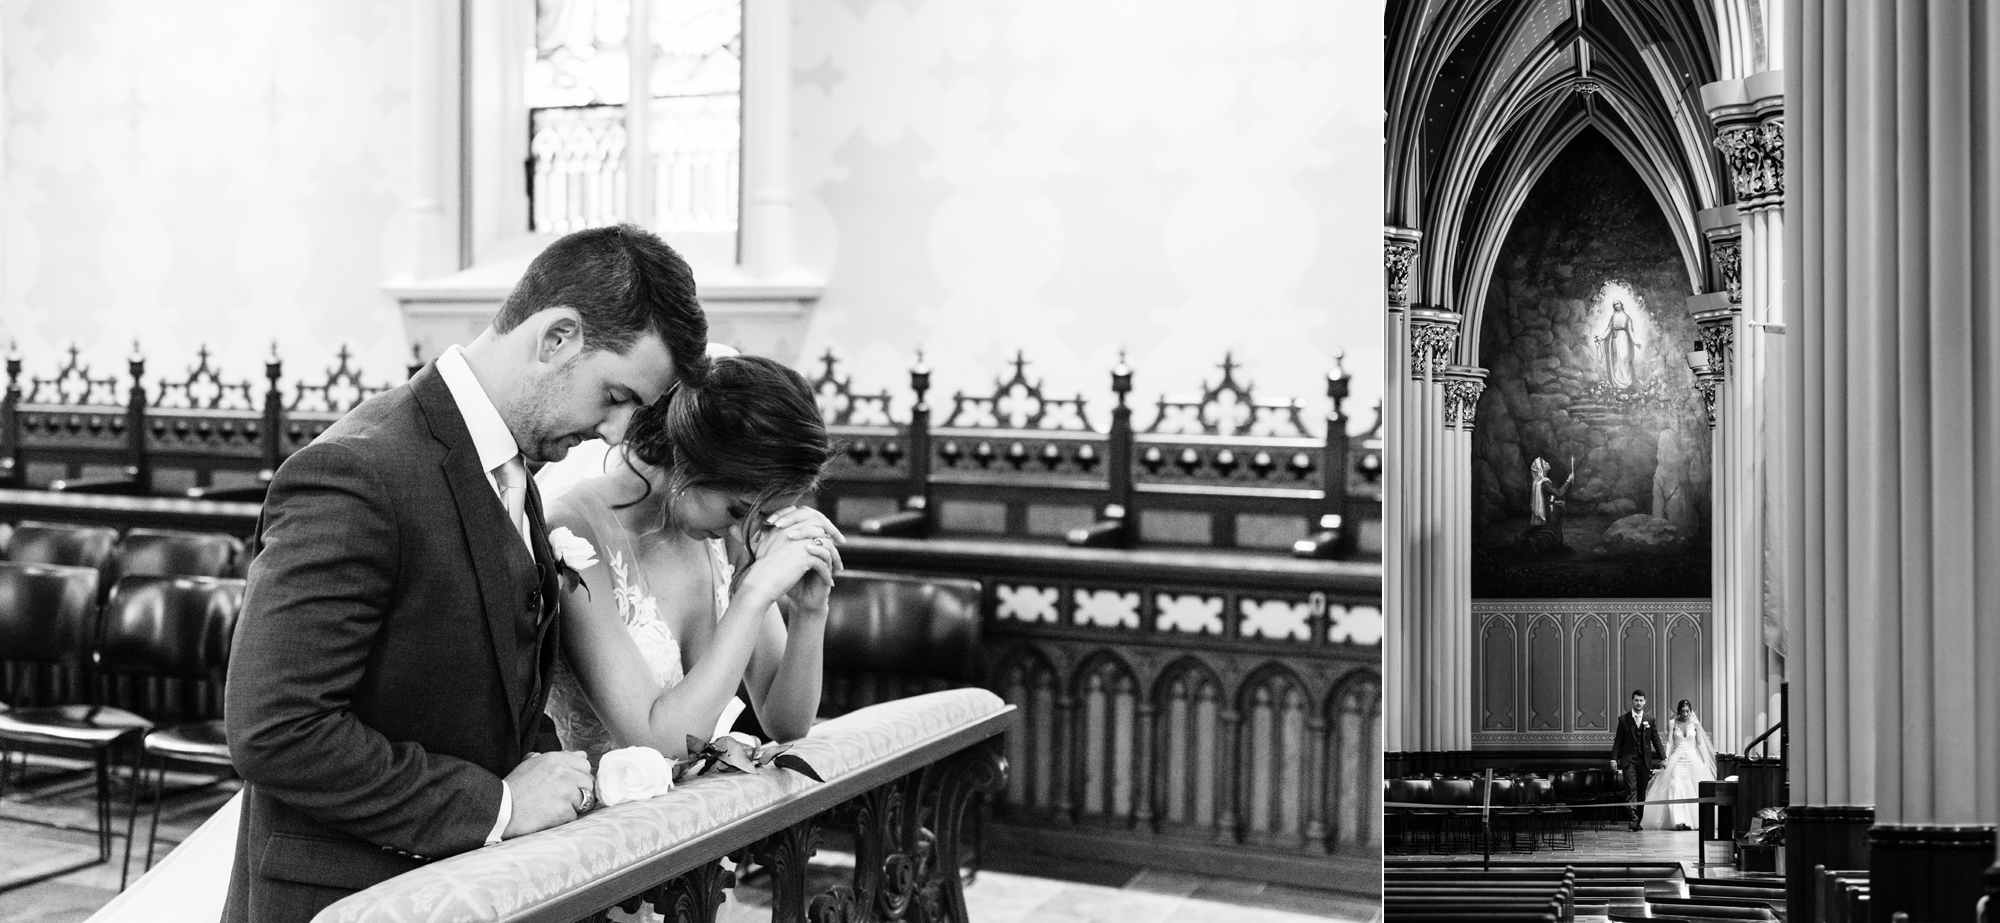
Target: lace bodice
<point x="576" y="722"/>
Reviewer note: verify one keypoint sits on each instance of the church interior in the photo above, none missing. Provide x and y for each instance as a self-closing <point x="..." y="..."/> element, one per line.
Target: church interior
<point x="1084" y="290"/>
<point x="1691" y="352"/>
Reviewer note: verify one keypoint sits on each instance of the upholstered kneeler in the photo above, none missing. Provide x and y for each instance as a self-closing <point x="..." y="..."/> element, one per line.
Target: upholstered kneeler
<point x="613" y="854"/>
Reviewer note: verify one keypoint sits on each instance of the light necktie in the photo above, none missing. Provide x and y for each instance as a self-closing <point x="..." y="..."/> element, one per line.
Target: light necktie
<point x="513" y="478"/>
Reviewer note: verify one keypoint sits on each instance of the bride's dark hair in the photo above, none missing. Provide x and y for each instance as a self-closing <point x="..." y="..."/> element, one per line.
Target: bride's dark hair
<point x="1683" y="704"/>
<point x="751" y="428"/>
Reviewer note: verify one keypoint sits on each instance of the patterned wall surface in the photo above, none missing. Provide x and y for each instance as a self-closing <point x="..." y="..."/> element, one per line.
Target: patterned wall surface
<point x="971" y="178"/>
<point x="1555" y="674"/>
<point x="227" y="173"/>
<point x="1178" y="179"/>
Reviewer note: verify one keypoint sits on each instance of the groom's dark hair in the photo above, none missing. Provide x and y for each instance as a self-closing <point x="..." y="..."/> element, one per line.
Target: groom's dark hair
<point x="1638" y="693"/>
<point x="624" y="281"/>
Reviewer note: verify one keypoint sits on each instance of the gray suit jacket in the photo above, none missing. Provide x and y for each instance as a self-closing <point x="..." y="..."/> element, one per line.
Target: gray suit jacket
<point x="389" y="665"/>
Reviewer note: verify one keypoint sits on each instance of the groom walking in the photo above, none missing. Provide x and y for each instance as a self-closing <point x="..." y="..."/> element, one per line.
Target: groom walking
<point x="386" y="686"/>
<point x="1635" y="749"/>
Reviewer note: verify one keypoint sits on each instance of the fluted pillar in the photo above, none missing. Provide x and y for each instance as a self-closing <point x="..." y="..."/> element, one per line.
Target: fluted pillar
<point x="1451" y="581"/>
<point x="1437" y="703"/>
<point x="1400" y="247"/>
<point x="1740" y="329"/>
<point x="1893" y="436"/>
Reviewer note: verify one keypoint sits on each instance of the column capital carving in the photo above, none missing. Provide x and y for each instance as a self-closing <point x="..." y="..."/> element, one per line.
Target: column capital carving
<point x="1725" y="253"/>
<point x="1749" y="119"/>
<point x="1463" y="384"/>
<point x="1715" y="322"/>
<point x="1705" y="383"/>
<point x="1399" y="259"/>
<point x="1433" y="334"/>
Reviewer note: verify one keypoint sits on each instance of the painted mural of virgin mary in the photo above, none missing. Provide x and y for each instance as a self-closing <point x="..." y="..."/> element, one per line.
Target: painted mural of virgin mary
<point x="1619" y="347"/>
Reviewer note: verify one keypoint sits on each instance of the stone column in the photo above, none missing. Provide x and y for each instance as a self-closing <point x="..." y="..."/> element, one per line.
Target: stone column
<point x="1437" y="712"/>
<point x="1739" y="328"/>
<point x="1399" y="263"/>
<point x="1893" y="437"/>
<point x="1452" y="582"/>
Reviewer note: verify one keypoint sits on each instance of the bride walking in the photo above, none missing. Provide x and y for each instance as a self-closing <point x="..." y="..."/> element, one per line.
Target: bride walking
<point x="1690" y="762"/>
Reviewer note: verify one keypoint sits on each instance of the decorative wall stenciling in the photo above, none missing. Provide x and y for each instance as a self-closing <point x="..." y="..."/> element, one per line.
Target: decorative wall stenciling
<point x="1590" y="464"/>
<point x="257" y="190"/>
<point x="975" y="177"/>
<point x="1555" y="674"/>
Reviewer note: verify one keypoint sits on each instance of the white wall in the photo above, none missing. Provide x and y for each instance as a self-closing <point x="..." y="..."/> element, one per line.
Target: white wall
<point x="1179" y="177"/>
<point x="229" y="172"/>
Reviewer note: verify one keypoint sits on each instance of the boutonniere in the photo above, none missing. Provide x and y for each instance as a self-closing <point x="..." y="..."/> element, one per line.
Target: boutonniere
<point x="732" y="753"/>
<point x="573" y="556"/>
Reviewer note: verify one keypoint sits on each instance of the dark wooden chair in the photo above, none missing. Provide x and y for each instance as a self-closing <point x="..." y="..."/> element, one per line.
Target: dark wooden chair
<point x="166" y="552"/>
<point x="890" y="636"/>
<point x="61" y="543"/>
<point x="178" y="627"/>
<point x="49" y="617"/>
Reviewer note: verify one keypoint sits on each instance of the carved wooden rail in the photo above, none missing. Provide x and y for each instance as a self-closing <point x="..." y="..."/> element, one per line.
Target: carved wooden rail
<point x="200" y="435"/>
<point x="903" y="775"/>
<point x="1211" y="711"/>
<point x="1220" y="469"/>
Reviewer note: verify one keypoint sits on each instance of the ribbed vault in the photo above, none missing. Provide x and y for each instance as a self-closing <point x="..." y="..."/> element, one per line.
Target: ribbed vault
<point x="1482" y="95"/>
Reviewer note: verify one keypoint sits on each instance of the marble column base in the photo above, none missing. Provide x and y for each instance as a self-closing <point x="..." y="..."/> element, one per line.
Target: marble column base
<point x="1835" y="836"/>
<point x="1932" y="873"/>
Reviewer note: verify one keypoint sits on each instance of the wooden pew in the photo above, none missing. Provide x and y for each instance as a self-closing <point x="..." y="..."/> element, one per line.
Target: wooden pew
<point x="1841" y="896"/>
<point x="911" y="769"/>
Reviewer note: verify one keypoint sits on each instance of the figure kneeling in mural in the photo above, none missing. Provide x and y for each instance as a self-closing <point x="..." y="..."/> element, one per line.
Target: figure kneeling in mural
<point x="1545" y="510"/>
<point x="1690" y="762"/>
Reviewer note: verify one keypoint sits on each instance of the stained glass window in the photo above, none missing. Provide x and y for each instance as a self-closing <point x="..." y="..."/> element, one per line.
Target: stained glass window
<point x="578" y="89"/>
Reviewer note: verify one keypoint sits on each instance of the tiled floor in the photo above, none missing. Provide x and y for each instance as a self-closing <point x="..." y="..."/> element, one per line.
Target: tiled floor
<point x="1011" y="889"/>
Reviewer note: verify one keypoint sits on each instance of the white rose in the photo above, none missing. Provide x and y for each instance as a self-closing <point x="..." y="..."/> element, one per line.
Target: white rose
<point x="572" y="550"/>
<point x="633" y="774"/>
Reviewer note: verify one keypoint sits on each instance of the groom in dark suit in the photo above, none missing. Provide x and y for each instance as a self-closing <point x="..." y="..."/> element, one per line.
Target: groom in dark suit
<point x="386" y="687"/>
<point x="1636" y="749"/>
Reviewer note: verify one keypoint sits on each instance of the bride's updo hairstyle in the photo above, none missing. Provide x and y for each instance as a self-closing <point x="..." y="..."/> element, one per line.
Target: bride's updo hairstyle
<point x="751" y="427"/>
<point x="1683" y="704"/>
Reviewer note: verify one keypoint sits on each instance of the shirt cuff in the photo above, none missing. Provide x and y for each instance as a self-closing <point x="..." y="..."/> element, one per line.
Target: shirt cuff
<point x="506" y="814"/>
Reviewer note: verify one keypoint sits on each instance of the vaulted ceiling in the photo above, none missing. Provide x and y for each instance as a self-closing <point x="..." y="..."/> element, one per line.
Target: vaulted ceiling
<point x="1482" y="95"/>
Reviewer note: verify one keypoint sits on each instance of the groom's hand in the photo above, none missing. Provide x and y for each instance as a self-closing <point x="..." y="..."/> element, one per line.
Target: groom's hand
<point x="548" y="789"/>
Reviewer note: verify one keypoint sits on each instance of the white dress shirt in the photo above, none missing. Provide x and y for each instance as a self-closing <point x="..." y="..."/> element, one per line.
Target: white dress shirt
<point x="496" y="446"/>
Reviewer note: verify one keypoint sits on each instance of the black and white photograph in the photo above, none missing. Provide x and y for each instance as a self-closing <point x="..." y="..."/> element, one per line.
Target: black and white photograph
<point x="1690" y="460"/>
<point x="692" y="460"/>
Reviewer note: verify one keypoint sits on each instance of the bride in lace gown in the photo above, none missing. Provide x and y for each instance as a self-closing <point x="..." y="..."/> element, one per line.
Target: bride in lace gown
<point x="1690" y="762"/>
<point x="661" y="634"/>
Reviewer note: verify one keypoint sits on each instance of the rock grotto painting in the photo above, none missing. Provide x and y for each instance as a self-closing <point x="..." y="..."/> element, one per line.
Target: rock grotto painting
<point x="1590" y="459"/>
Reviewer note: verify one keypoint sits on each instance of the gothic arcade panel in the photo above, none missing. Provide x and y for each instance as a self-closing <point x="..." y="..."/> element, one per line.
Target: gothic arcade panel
<point x="1590" y="461"/>
<point x="1568" y="666"/>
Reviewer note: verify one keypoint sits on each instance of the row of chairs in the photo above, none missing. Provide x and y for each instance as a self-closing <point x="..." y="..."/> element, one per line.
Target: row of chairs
<point x="99" y="608"/>
<point x="1526" y="815"/>
<point x="114" y="554"/>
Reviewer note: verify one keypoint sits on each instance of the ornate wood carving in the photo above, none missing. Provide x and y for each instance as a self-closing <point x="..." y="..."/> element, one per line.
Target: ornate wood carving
<point x="1229" y="408"/>
<point x="1574" y="662"/>
<point x="1017" y="403"/>
<point x="693" y="897"/>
